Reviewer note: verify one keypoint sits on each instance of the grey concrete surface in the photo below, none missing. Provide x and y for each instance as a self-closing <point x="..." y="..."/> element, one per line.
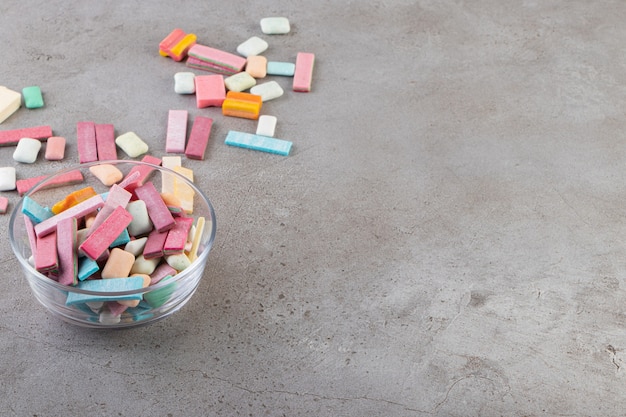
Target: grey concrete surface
<point x="446" y="238"/>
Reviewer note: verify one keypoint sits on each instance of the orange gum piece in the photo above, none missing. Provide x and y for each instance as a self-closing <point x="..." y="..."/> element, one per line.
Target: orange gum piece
<point x="73" y="199"/>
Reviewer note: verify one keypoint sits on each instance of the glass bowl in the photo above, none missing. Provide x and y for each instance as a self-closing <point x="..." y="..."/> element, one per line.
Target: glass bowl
<point x="103" y="310"/>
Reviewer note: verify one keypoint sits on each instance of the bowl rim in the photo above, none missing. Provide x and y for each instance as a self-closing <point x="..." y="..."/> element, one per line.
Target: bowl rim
<point x="17" y="213"/>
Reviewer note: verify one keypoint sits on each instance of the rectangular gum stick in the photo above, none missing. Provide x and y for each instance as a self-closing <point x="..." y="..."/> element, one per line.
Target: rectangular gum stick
<point x="117" y="197"/>
<point x="210" y="90"/>
<point x="193" y="252"/>
<point x="46" y="259"/>
<point x="66" y="247"/>
<point x="182" y="190"/>
<point x="143" y="170"/>
<point x="176" y="135"/>
<point x="218" y="57"/>
<point x="100" y="239"/>
<point x="157" y="210"/>
<point x="79" y="210"/>
<point x="167" y="179"/>
<point x="303" y="74"/>
<point x="105" y="142"/>
<point x="199" y="138"/>
<point x="154" y="244"/>
<point x="86" y="142"/>
<point x="69" y="178"/>
<point x="177" y="236"/>
<point x="12" y="137"/>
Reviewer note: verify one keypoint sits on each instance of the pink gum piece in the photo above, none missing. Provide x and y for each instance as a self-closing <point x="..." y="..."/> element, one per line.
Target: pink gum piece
<point x="46" y="259"/>
<point x="303" y="74"/>
<point x="231" y="62"/>
<point x="100" y="239"/>
<point x="199" y="138"/>
<point x="154" y="244"/>
<point x="143" y="171"/>
<point x="117" y="197"/>
<point x="66" y="248"/>
<point x="86" y="142"/>
<point x="79" y="210"/>
<point x="69" y="178"/>
<point x="210" y="90"/>
<point x="32" y="237"/>
<point x="4" y="203"/>
<point x="105" y="142"/>
<point x="176" y="131"/>
<point x="177" y="236"/>
<point x="55" y="148"/>
<point x="161" y="272"/>
<point x="157" y="210"/>
<point x="12" y="137"/>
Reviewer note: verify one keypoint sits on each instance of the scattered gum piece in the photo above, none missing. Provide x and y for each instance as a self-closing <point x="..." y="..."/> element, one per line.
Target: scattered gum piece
<point x="256" y="66"/>
<point x="32" y="97"/>
<point x="224" y="61"/>
<point x="4" y="204"/>
<point x="210" y="91"/>
<point x="268" y="91"/>
<point x="55" y="148"/>
<point x="184" y="83"/>
<point x="12" y="137"/>
<point x="303" y="74"/>
<point x="275" y="25"/>
<point x="69" y="178"/>
<point x="132" y="144"/>
<point x="266" y="125"/>
<point x="119" y="264"/>
<point x="10" y="101"/>
<point x="86" y="142"/>
<point x="239" y="82"/>
<point x="27" y="150"/>
<point x="176" y="135"/>
<point x="7" y="178"/>
<point x="252" y="46"/>
<point x="177" y="44"/>
<point x="105" y="142"/>
<point x="245" y="105"/>
<point x="258" y="142"/>
<point x="199" y="138"/>
<point x="286" y="69"/>
<point x="107" y="174"/>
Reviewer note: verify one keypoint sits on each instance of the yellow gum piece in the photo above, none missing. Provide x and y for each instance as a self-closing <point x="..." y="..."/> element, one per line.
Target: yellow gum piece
<point x="197" y="236"/>
<point x="181" y="48"/>
<point x="182" y="190"/>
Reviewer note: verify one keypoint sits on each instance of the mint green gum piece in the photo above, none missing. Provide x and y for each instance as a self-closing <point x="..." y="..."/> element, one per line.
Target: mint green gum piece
<point x="32" y="97"/>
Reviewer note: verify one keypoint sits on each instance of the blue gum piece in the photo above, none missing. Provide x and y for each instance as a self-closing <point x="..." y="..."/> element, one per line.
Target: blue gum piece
<point x="122" y="239"/>
<point x="34" y="211"/>
<point x="286" y="69"/>
<point x="86" y="268"/>
<point x="258" y="142"/>
<point x="111" y="285"/>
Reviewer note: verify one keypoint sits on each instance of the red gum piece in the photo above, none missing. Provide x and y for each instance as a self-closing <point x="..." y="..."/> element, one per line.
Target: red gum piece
<point x="69" y="178"/>
<point x="154" y="244"/>
<point x="177" y="236"/>
<point x="79" y="210"/>
<point x="66" y="248"/>
<point x="210" y="90"/>
<point x="105" y="142"/>
<point x="102" y="237"/>
<point x="157" y="210"/>
<point x="303" y="74"/>
<point x="176" y="131"/>
<point x="46" y="259"/>
<point x="117" y="197"/>
<point x="199" y="138"/>
<point x="86" y="142"/>
<point x="12" y="137"/>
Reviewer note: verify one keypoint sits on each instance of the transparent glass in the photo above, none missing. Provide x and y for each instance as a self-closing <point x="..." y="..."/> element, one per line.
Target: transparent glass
<point x="172" y="293"/>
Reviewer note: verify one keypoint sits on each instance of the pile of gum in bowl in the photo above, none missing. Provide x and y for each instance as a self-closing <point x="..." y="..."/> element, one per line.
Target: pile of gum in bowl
<point x="113" y="244"/>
